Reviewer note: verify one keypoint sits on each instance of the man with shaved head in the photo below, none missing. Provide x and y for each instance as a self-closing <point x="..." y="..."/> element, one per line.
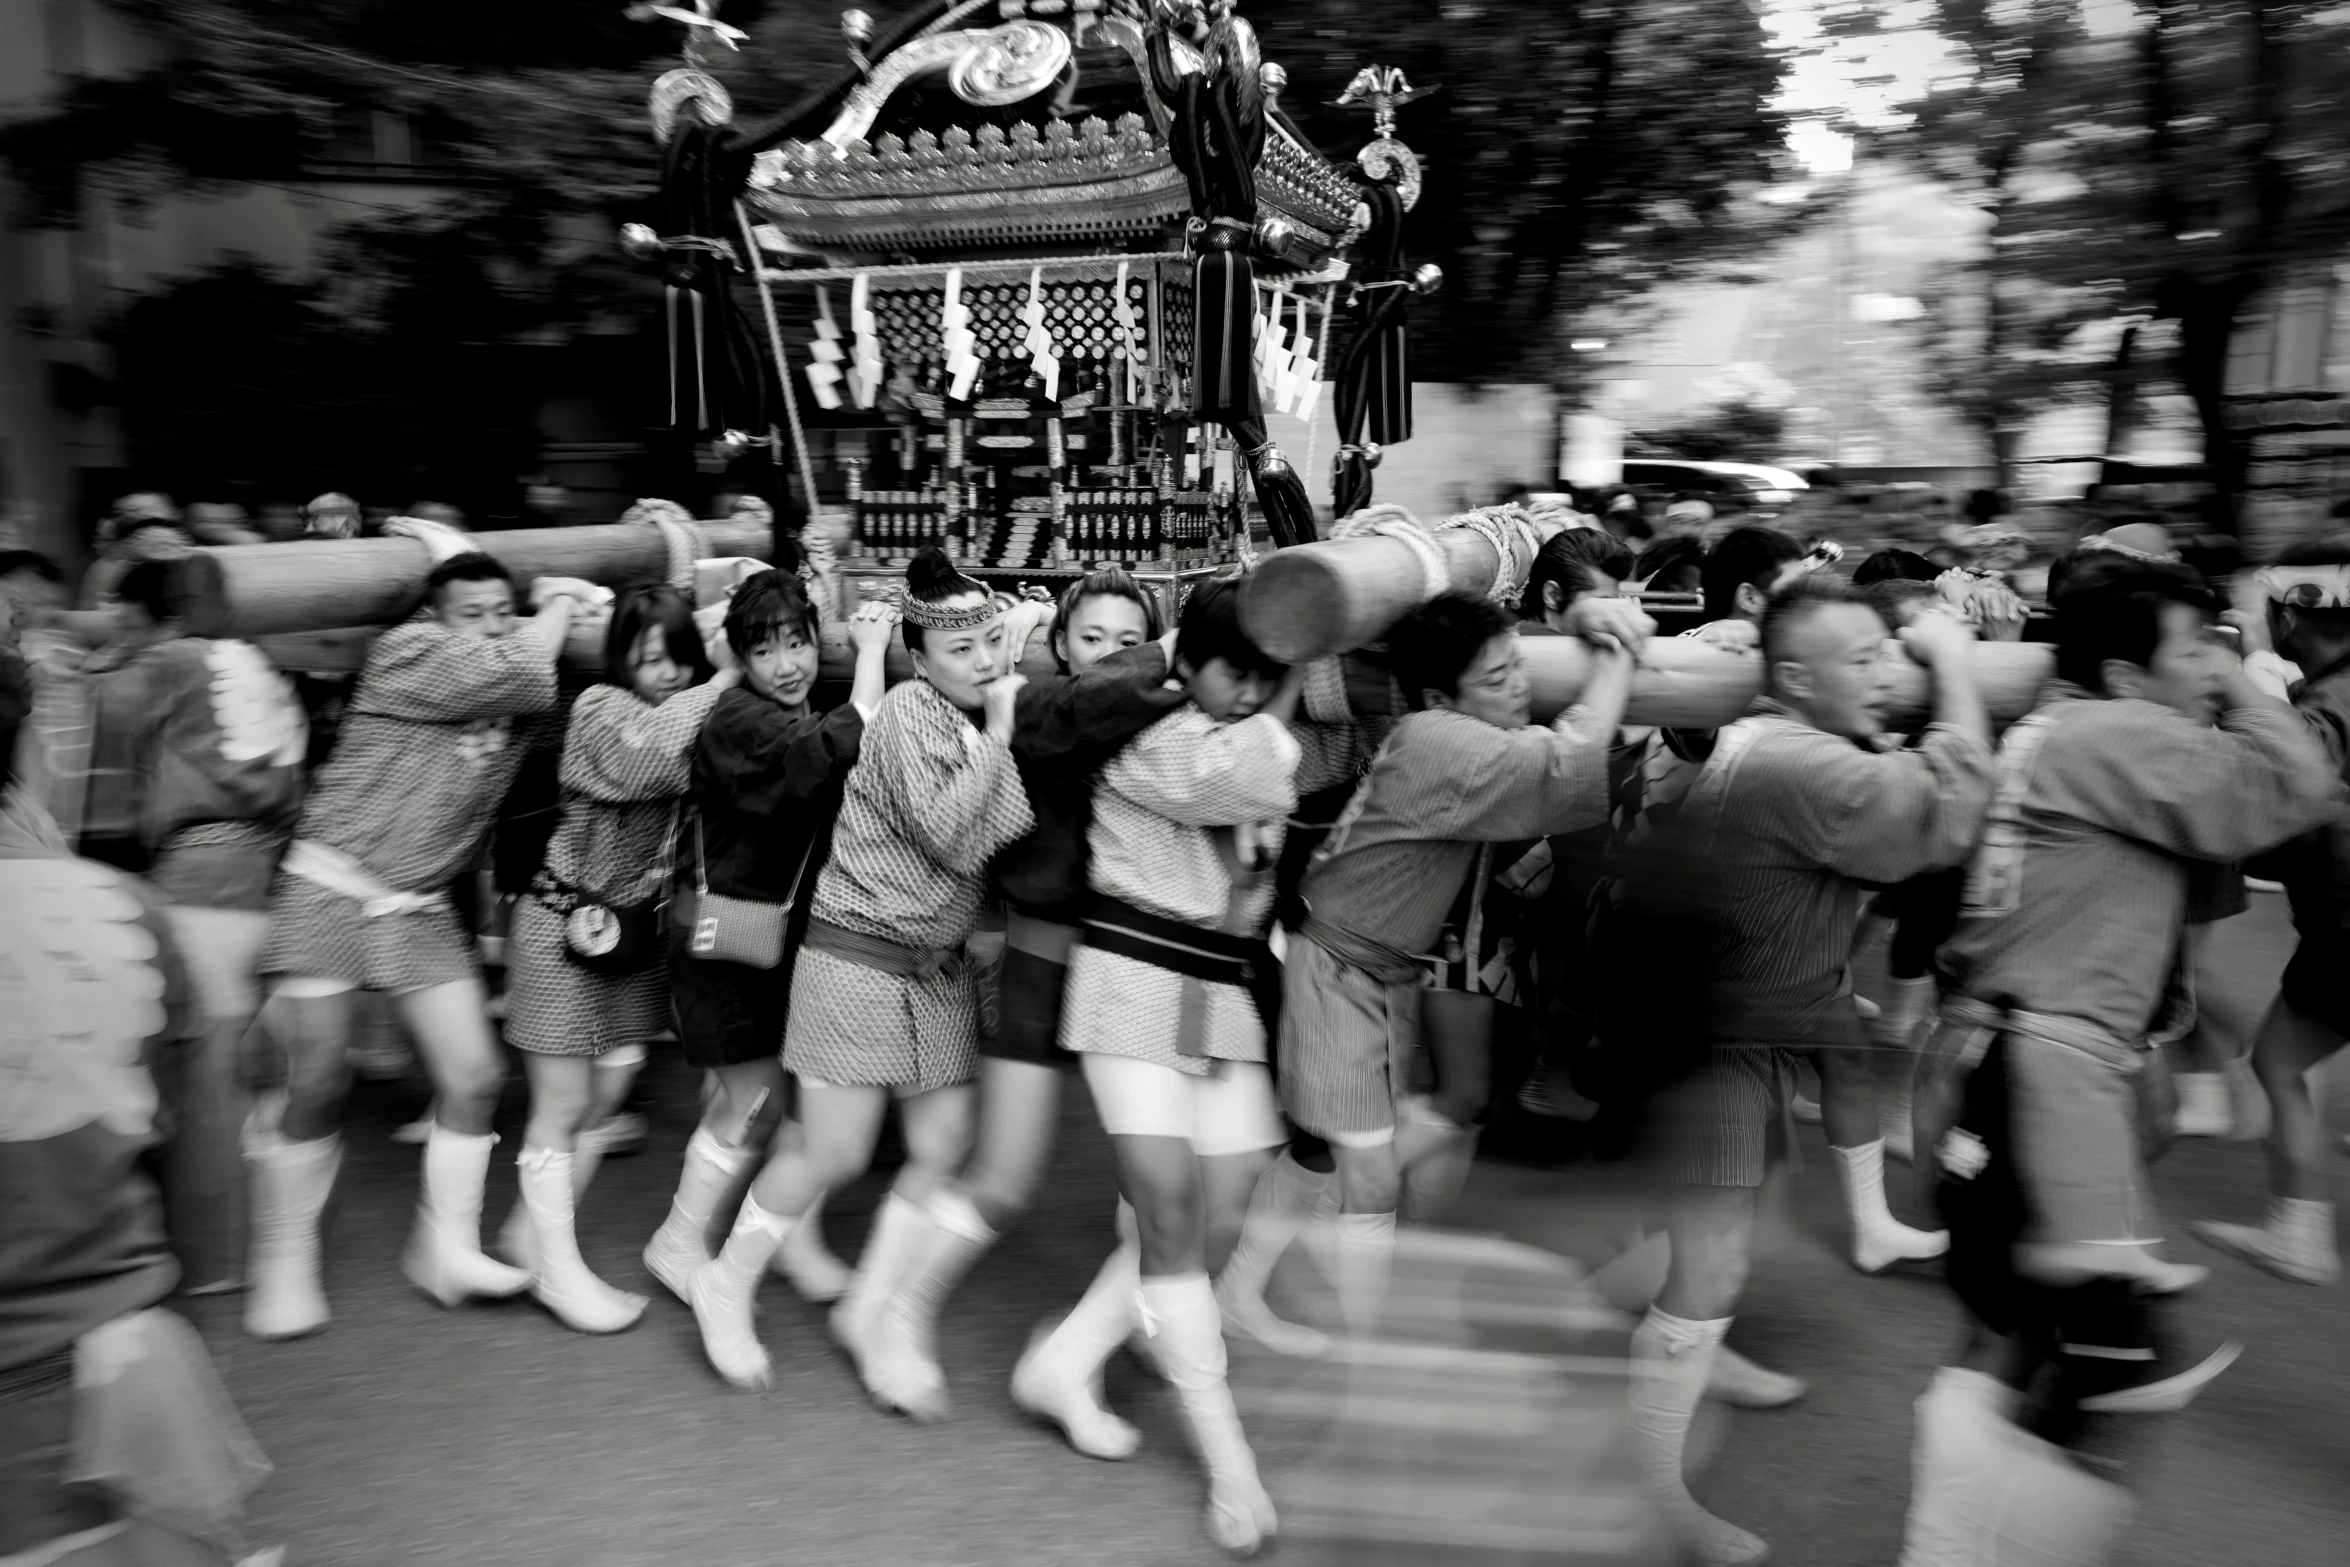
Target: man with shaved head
<point x="1792" y="814"/>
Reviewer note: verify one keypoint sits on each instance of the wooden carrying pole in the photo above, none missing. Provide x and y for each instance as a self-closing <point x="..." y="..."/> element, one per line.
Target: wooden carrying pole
<point x="260" y="590"/>
<point x="1313" y="600"/>
<point x="1682" y="684"/>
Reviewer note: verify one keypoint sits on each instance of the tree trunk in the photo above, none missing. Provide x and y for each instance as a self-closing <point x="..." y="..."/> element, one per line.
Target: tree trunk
<point x="2121" y="393"/>
<point x="2207" y="328"/>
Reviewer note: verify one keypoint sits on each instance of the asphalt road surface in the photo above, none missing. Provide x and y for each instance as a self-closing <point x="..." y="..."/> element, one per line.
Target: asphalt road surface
<point x="407" y="1435"/>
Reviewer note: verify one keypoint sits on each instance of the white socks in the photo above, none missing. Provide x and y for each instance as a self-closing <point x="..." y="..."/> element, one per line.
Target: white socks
<point x="1878" y="1239"/>
<point x="1365" y="1255"/>
<point x="1672" y="1358"/>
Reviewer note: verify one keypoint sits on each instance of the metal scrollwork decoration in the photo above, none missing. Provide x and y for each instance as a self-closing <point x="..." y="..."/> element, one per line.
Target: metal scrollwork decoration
<point x="1015" y="61"/>
<point x="676" y="91"/>
<point x="1383" y="89"/>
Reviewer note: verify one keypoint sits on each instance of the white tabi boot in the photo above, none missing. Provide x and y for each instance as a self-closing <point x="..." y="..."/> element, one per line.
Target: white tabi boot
<point x="1181" y="1314"/>
<point x="444" y="1256"/>
<point x="290" y="1184"/>
<point x="676" y="1250"/>
<point x="1288" y="1198"/>
<point x="1059" y="1376"/>
<point x="560" y="1278"/>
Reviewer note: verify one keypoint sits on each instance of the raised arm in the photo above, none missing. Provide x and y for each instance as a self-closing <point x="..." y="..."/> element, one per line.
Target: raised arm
<point x="2258" y="778"/>
<point x="1191" y="769"/>
<point x="1887" y="817"/>
<point x="427" y="674"/>
<point x="764" y="763"/>
<point x="958" y="789"/>
<point x="1094" y="713"/>
<point x="618" y="748"/>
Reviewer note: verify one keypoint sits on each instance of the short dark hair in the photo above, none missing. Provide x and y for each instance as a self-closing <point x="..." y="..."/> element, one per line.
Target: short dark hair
<point x="1670" y="565"/>
<point x="1210" y="629"/>
<point x="40" y="565"/>
<point x="1433" y="646"/>
<point x="1111" y="582"/>
<point x="472" y="566"/>
<point x="765" y="605"/>
<point x="2117" y="613"/>
<point x="1895" y="599"/>
<point x="1571" y="559"/>
<point x="1894" y="566"/>
<point x="660" y="608"/>
<point x="1799" y="601"/>
<point x="1745" y="557"/>
<point x="154" y="586"/>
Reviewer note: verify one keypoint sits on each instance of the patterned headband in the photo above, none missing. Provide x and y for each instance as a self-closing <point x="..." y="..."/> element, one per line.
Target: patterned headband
<point x="2307" y="587"/>
<point x="947" y="617"/>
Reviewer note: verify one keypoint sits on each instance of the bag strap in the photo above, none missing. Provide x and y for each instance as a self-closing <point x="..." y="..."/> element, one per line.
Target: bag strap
<point x="800" y="876"/>
<point x="701" y="867"/>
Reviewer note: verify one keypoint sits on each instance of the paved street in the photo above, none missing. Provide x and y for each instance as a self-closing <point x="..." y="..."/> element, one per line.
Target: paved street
<point x="407" y="1435"/>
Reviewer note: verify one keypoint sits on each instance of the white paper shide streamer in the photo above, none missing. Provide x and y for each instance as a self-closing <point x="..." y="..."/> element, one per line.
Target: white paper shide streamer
<point x="1039" y="341"/>
<point x="865" y="369"/>
<point x="956" y="338"/>
<point x="824" y="355"/>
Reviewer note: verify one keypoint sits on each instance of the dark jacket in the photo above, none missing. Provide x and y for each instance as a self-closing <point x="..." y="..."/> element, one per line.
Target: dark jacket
<point x="1067" y="729"/>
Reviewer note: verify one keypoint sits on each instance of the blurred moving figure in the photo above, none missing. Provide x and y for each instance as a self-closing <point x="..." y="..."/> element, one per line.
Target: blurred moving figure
<point x="1789" y="816"/>
<point x="2308" y="620"/>
<point x="118" y="1444"/>
<point x="2041" y="1098"/>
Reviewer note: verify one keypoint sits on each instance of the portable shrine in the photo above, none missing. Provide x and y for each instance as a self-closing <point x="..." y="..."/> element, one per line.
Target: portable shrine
<point x="1033" y="273"/>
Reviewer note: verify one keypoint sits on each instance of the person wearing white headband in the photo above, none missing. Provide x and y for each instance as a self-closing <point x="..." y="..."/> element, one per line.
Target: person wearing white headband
<point x="2308" y="620"/>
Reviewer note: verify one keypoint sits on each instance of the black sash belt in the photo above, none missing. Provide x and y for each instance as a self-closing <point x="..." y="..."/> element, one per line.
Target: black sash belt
<point x="1212" y="956"/>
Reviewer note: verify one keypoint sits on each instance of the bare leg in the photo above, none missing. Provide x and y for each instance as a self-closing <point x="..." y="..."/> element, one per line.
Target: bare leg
<point x="1019" y="1110"/>
<point x="2297" y="1239"/>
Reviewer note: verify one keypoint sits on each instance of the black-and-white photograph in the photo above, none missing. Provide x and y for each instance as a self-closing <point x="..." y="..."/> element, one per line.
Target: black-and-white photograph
<point x="1116" y="783"/>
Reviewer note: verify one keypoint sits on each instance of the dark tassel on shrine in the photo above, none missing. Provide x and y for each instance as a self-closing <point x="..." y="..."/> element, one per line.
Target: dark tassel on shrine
<point x="1224" y="302"/>
<point x="1281" y="494"/>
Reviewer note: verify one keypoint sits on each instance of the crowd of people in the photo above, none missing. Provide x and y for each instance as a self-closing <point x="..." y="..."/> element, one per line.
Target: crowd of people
<point x="1241" y="910"/>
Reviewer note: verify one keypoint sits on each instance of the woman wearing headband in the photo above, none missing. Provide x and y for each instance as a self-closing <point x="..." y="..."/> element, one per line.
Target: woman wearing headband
<point x="883" y="1004"/>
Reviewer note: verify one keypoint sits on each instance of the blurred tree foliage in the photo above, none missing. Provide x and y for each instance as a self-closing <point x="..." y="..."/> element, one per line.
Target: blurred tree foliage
<point x="2172" y="167"/>
<point x="1579" y="154"/>
<point x="1735" y="431"/>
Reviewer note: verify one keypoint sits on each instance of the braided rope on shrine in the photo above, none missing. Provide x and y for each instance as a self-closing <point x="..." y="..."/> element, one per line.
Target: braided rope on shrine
<point x="1393" y="522"/>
